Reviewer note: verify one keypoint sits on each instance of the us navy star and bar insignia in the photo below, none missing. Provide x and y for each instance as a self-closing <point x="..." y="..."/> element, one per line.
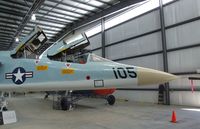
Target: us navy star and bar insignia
<point x="19" y="75"/>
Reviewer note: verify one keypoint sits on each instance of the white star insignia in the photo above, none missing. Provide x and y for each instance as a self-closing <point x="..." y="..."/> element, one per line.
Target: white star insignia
<point x="18" y="75"/>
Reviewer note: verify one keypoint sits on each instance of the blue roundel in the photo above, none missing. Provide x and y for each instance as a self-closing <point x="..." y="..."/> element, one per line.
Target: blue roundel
<point x="19" y="75"/>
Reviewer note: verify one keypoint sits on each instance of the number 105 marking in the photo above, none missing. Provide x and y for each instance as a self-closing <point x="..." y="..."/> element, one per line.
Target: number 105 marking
<point x="124" y="72"/>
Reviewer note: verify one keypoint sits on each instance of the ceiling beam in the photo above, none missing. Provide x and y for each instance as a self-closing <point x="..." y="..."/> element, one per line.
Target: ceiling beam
<point x="12" y="12"/>
<point x="51" y="15"/>
<point x="29" y="32"/>
<point x="2" y="43"/>
<point x="8" y="26"/>
<point x="9" y="21"/>
<point x="96" y="17"/>
<point x="43" y="24"/>
<point x="6" y="35"/>
<point x="67" y="10"/>
<point x="10" y="17"/>
<point x="17" y="2"/>
<point x="106" y="3"/>
<point x="47" y="29"/>
<point x="76" y="7"/>
<point x="4" y="24"/>
<point x="4" y="38"/>
<point x="14" y="4"/>
<point x="34" y="7"/>
<point x="4" y="3"/>
<point x="88" y="4"/>
<point x="6" y="29"/>
<point x="7" y="32"/>
<point x="3" y="46"/>
<point x="53" y="21"/>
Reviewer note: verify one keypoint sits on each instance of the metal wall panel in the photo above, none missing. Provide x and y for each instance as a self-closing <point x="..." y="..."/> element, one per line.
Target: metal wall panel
<point x="154" y="61"/>
<point x="183" y="35"/>
<point x="95" y="41"/>
<point x="181" y="10"/>
<point x="134" y="27"/>
<point x="184" y="60"/>
<point x="138" y="46"/>
<point x="98" y="52"/>
<point x="138" y="96"/>
<point x="184" y="82"/>
<point x="185" y="98"/>
<point x="87" y="27"/>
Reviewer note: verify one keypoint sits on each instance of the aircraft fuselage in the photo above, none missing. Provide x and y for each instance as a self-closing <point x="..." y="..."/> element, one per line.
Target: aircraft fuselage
<point x="46" y="75"/>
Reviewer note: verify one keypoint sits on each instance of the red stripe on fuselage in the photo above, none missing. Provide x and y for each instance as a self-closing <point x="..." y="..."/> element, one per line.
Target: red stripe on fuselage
<point x="104" y="91"/>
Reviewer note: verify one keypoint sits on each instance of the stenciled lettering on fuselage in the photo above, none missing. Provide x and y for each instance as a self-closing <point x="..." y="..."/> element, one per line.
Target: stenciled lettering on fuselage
<point x="123" y="73"/>
<point x="19" y="75"/>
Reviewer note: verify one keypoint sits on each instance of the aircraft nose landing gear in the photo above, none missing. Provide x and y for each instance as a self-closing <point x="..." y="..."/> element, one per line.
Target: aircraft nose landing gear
<point x="110" y="99"/>
<point x="64" y="101"/>
<point x="65" y="104"/>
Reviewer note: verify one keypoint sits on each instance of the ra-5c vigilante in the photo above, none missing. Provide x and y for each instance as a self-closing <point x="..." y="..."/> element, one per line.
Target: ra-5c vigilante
<point x="67" y="66"/>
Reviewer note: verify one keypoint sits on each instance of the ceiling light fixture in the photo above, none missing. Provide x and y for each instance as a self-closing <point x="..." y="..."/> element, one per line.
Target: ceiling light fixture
<point x="33" y="17"/>
<point x="17" y="39"/>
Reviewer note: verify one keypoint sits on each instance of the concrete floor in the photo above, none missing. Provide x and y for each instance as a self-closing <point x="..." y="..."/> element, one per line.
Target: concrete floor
<point x="33" y="112"/>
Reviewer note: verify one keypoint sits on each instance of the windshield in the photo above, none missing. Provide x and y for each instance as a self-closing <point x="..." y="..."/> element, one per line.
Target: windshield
<point x="73" y="39"/>
<point x="95" y="58"/>
<point x="81" y="59"/>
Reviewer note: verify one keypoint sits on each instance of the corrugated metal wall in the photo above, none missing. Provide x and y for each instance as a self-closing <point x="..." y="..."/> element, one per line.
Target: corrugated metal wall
<point x="138" y="42"/>
<point x="183" y="35"/>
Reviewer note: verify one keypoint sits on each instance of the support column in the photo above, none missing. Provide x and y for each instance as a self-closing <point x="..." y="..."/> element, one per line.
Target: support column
<point x="103" y="40"/>
<point x="164" y="47"/>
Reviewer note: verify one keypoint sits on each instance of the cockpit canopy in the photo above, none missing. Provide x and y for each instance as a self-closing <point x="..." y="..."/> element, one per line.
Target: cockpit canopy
<point x="69" y="45"/>
<point x="30" y="44"/>
<point x="70" y="49"/>
<point x="84" y="58"/>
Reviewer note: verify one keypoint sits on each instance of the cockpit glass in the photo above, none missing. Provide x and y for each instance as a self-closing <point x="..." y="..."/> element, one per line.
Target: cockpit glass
<point x="81" y="59"/>
<point x="73" y="39"/>
<point x="95" y="58"/>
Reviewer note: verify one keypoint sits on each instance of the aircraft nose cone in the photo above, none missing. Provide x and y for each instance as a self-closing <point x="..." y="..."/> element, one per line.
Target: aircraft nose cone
<point x="148" y="76"/>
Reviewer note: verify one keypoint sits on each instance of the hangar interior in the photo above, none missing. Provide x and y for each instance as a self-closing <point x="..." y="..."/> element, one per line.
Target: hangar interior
<point x="142" y="34"/>
<point x="158" y="34"/>
<point x="137" y="37"/>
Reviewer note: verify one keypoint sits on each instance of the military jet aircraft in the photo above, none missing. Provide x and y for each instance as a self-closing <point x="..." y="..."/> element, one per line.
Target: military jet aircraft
<point x="68" y="66"/>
